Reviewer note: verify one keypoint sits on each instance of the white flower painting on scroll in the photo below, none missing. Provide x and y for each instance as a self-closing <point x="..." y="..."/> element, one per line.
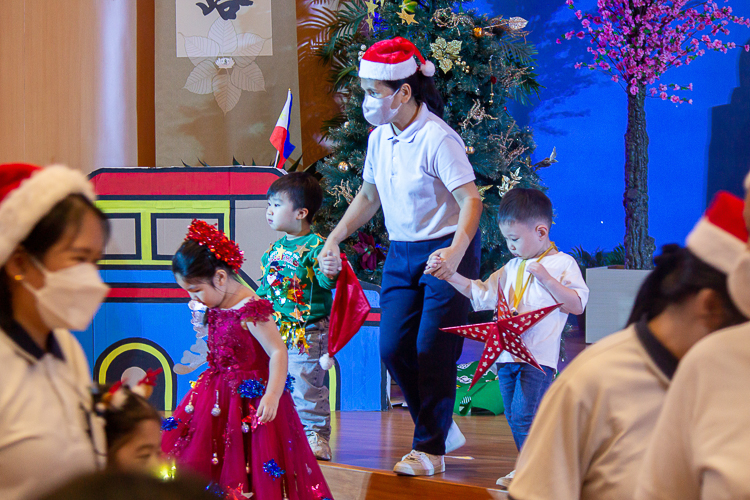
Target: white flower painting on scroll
<point x="224" y="64"/>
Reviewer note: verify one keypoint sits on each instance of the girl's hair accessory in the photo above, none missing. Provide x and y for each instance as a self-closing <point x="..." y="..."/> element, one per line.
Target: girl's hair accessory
<point x="391" y="60"/>
<point x="116" y="396"/>
<point x="217" y="242"/>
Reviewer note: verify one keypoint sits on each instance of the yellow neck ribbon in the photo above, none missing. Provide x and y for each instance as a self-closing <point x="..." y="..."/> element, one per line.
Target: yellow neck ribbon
<point x="519" y="277"/>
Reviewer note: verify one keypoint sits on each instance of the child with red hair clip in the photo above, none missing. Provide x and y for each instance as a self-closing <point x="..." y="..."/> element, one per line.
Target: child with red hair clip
<point x="237" y="426"/>
<point x="132" y="425"/>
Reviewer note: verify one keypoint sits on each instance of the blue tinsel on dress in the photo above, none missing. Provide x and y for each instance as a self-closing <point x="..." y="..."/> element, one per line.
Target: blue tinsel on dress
<point x="272" y="469"/>
<point x="170" y="424"/>
<point x="251" y="388"/>
<point x="216" y="490"/>
<point x="289" y="386"/>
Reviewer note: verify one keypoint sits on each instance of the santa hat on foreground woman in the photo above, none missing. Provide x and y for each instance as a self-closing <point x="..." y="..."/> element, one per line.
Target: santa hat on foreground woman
<point x="720" y="239"/>
<point x="28" y="193"/>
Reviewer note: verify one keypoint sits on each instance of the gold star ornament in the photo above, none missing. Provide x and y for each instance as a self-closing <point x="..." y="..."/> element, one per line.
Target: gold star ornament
<point x="407" y="18"/>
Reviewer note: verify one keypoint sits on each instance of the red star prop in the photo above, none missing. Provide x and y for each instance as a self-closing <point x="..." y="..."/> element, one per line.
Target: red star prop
<point x="252" y="419"/>
<point x="238" y="493"/>
<point x="503" y="334"/>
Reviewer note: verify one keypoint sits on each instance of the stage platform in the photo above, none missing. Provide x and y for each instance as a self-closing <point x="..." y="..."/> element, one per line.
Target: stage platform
<point x="366" y="445"/>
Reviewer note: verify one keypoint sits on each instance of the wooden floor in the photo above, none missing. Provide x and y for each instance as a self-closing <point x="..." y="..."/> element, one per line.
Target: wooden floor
<point x="366" y="445"/>
<point x="377" y="440"/>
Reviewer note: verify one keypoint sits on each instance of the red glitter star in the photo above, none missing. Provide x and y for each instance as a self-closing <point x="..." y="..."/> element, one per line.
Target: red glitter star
<point x="503" y="334"/>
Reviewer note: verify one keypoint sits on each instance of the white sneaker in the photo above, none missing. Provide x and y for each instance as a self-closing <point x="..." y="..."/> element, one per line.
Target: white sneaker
<point x="504" y="482"/>
<point x="418" y="463"/>
<point x="319" y="446"/>
<point x="455" y="438"/>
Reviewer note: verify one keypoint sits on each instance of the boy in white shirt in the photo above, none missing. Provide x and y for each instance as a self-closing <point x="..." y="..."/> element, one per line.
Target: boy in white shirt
<point x="538" y="276"/>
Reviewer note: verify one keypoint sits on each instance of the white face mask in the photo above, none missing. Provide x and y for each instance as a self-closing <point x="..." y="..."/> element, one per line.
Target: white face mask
<point x="70" y="297"/>
<point x="379" y="111"/>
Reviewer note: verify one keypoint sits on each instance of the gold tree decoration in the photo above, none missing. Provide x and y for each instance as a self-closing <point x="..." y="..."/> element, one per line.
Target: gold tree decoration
<point x="446" y="53"/>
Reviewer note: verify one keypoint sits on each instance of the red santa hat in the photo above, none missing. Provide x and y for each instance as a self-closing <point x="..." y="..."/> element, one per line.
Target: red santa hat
<point x="720" y="236"/>
<point x="392" y="60"/>
<point x="28" y="193"/>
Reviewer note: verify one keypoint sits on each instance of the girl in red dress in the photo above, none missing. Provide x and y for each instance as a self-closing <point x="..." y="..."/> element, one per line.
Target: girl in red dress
<point x="237" y="426"/>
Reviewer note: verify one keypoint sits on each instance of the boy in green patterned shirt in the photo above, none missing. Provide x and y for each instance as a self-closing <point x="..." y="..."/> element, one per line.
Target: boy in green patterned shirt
<point x="301" y="296"/>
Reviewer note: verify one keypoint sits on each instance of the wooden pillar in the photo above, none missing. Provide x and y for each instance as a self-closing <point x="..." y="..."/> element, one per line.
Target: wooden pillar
<point x="67" y="73"/>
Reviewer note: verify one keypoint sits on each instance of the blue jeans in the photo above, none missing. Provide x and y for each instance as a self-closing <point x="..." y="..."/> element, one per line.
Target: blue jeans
<point x="522" y="387"/>
<point x="420" y="357"/>
<point x="310" y="393"/>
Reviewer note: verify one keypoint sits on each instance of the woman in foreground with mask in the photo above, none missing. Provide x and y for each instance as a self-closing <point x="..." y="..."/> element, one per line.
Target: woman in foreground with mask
<point x="416" y="169"/>
<point x="51" y="236"/>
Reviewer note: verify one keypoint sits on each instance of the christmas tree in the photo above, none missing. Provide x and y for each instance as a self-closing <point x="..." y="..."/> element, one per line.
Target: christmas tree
<point x="481" y="64"/>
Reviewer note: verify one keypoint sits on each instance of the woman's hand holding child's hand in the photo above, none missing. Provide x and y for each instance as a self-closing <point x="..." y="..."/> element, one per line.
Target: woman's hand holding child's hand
<point x="443" y="263"/>
<point x="330" y="262"/>
<point x="432" y="264"/>
<point x="267" y="408"/>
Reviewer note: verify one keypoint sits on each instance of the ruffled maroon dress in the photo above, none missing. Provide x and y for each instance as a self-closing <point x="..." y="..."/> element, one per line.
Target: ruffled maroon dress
<point x="213" y="433"/>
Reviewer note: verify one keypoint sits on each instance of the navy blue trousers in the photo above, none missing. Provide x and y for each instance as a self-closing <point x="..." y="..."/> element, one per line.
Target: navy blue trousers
<point x="421" y="358"/>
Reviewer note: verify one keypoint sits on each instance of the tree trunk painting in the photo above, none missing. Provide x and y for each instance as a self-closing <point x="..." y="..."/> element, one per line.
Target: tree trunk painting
<point x="639" y="246"/>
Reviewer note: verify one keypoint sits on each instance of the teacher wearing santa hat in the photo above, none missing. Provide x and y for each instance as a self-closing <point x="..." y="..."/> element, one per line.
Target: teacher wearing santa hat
<point x="51" y="236"/>
<point x="416" y="169"/>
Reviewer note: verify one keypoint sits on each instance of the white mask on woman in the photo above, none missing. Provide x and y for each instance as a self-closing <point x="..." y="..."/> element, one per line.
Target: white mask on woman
<point x="70" y="297"/>
<point x="379" y="111"/>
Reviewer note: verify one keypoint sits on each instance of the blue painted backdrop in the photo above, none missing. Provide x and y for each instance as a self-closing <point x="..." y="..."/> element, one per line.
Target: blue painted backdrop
<point x="583" y="114"/>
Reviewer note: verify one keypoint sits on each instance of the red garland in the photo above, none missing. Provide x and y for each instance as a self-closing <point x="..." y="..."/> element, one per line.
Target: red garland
<point x="217" y="242"/>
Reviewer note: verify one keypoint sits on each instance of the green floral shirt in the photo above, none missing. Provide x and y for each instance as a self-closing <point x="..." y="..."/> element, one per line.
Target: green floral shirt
<point x="293" y="282"/>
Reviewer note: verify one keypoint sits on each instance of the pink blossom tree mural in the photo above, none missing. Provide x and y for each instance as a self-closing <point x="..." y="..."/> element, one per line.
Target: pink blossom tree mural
<point x="635" y="42"/>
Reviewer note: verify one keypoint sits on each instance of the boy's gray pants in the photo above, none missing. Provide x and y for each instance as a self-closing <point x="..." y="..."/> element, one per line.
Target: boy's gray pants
<point x="310" y="394"/>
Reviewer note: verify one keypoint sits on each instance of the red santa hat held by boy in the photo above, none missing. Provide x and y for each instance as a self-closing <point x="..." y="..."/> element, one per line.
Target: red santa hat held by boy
<point x="392" y="60"/>
<point x="28" y="193"/>
<point x="720" y="239"/>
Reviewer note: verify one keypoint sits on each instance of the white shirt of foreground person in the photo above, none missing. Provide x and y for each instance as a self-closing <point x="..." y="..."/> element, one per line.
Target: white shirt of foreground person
<point x="415" y="173"/>
<point x="45" y="415"/>
<point x="542" y="339"/>
<point x="595" y="421"/>
<point x="701" y="444"/>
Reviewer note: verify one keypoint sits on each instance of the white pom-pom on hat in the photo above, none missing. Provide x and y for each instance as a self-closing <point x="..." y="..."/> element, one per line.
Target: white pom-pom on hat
<point x="393" y="59"/>
<point x="326" y="361"/>
<point x="428" y="68"/>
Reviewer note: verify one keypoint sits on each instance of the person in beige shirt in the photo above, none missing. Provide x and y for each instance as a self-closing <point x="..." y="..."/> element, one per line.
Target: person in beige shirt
<point x="700" y="448"/>
<point x="595" y="422"/>
<point x="51" y="236"/>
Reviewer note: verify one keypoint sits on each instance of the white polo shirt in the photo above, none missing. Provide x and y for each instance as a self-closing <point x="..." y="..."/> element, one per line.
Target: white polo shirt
<point x="594" y="423"/>
<point x="415" y="173"/>
<point x="45" y="416"/>
<point x="701" y="445"/>
<point x="543" y="339"/>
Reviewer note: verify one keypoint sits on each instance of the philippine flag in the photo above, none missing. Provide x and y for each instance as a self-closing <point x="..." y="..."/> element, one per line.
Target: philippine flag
<point x="280" y="135"/>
